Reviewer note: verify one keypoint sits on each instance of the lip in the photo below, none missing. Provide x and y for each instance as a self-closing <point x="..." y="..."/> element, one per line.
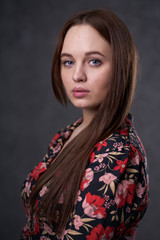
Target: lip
<point x="80" y="92"/>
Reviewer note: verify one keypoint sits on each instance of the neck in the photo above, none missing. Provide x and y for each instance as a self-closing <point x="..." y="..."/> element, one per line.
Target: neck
<point x="87" y="117"/>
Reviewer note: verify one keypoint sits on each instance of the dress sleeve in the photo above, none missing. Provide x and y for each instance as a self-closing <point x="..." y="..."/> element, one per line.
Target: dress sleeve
<point x="26" y="229"/>
<point x="30" y="181"/>
<point x="113" y="194"/>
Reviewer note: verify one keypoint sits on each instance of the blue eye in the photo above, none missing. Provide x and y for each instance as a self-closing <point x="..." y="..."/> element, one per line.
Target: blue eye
<point x="67" y="63"/>
<point x="95" y="62"/>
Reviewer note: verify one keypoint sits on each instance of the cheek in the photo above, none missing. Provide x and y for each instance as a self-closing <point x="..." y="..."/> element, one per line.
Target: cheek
<point x="65" y="79"/>
<point x="102" y="84"/>
<point x="106" y="79"/>
<point x="103" y="76"/>
<point x="66" y="75"/>
<point x="67" y="84"/>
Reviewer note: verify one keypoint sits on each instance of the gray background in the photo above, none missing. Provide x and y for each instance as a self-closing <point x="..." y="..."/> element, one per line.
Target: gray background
<point x="30" y="115"/>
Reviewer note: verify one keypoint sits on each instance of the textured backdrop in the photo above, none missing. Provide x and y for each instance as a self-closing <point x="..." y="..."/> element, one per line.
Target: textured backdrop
<point x="30" y="115"/>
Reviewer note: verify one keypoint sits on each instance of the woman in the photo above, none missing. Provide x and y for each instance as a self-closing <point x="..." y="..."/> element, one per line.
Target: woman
<point x="93" y="183"/>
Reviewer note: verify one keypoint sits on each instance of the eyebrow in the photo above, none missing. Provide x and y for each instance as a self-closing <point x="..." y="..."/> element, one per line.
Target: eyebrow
<point x="86" y="54"/>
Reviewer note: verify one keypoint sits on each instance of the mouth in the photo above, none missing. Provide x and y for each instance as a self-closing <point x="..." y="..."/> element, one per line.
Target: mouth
<point x="80" y="92"/>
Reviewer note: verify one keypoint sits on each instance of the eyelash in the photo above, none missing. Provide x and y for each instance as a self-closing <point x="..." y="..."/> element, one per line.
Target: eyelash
<point x="69" y="63"/>
<point x="96" y="60"/>
<point x="65" y="63"/>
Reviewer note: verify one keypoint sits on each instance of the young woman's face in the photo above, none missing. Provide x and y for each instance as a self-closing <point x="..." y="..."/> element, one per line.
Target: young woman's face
<point x="86" y="66"/>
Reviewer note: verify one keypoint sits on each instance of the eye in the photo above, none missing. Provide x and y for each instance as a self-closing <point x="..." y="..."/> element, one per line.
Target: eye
<point x="67" y="63"/>
<point x="95" y="62"/>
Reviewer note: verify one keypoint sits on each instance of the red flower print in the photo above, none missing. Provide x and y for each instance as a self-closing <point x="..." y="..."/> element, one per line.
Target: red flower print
<point x="36" y="225"/>
<point x="130" y="232"/>
<point x="109" y="232"/>
<point x="107" y="178"/>
<point x="125" y="193"/>
<point x="79" y="198"/>
<point x="98" y="157"/>
<point x="100" y="144"/>
<point x="131" y="191"/>
<point x="123" y="132"/>
<point x="77" y="222"/>
<point x="135" y="156"/>
<point x="67" y="134"/>
<point x="26" y="229"/>
<point x="54" y="139"/>
<point x="139" y="190"/>
<point x="98" y="233"/>
<point x="121" y="165"/>
<point x="118" y="145"/>
<point x="121" y="229"/>
<point x="92" y="206"/>
<point x="143" y="203"/>
<point x="27" y="188"/>
<point x="57" y="148"/>
<point x="88" y="177"/>
<point x="92" y="157"/>
<point x="38" y="170"/>
<point x="47" y="228"/>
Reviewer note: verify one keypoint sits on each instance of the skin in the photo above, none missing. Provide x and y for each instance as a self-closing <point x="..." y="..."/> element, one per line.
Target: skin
<point x="86" y="69"/>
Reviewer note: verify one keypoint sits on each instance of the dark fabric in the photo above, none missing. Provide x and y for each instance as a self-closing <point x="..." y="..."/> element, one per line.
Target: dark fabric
<point x="113" y="194"/>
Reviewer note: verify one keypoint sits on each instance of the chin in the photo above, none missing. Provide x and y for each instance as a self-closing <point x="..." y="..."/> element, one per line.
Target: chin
<point x="86" y="107"/>
<point x="79" y="106"/>
<point x="82" y="104"/>
<point x="79" y="103"/>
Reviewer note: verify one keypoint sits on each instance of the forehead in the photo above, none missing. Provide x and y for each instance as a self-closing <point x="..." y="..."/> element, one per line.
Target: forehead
<point x="84" y="38"/>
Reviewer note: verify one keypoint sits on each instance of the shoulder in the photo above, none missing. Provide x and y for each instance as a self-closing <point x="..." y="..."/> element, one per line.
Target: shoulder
<point x="120" y="162"/>
<point x="116" y="146"/>
<point x="124" y="139"/>
<point x="121" y="151"/>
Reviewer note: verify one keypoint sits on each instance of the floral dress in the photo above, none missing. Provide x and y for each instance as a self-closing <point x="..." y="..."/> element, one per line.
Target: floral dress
<point x="113" y="194"/>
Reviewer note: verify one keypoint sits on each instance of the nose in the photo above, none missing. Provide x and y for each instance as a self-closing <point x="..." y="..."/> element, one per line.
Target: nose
<point x="79" y="74"/>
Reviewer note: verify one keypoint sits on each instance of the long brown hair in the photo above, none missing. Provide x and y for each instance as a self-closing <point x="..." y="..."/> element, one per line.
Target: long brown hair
<point x="65" y="175"/>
